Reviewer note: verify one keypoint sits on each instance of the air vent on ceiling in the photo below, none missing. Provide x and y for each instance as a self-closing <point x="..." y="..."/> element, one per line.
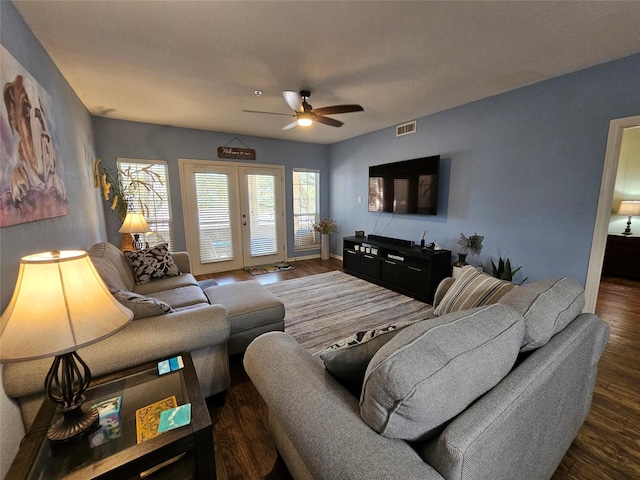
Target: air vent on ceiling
<point x="406" y="129"/>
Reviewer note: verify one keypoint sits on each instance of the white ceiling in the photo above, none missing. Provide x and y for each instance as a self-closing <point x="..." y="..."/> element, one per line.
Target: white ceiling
<point x="197" y="64"/>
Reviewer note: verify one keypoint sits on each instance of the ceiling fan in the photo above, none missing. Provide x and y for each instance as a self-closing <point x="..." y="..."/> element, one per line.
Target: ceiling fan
<point x="305" y="114"/>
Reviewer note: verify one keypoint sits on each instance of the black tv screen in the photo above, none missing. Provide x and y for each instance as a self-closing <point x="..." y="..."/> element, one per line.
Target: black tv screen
<point x="407" y="187"/>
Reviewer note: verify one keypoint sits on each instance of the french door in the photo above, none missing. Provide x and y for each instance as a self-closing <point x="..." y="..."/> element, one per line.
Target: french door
<point x="233" y="214"/>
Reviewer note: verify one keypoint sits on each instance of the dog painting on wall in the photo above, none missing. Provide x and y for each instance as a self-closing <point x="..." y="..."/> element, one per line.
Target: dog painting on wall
<point x="31" y="183"/>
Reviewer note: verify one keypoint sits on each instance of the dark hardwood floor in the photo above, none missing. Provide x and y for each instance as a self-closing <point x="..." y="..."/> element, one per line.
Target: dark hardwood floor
<point x="607" y="446"/>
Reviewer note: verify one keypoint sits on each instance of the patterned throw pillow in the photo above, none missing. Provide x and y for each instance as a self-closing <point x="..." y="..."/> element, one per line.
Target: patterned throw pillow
<point x="152" y="263"/>
<point x="141" y="306"/>
<point x="472" y="289"/>
<point x="347" y="359"/>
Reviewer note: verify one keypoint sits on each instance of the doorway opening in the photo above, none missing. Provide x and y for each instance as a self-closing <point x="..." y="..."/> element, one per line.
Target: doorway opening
<point x="607" y="185"/>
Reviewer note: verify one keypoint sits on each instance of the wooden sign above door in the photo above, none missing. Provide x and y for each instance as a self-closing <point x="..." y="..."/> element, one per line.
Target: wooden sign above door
<point x="237" y="153"/>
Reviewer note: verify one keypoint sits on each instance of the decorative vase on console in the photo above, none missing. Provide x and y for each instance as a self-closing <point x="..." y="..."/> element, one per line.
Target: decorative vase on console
<point x="324" y="228"/>
<point x="462" y="260"/>
<point x="471" y="244"/>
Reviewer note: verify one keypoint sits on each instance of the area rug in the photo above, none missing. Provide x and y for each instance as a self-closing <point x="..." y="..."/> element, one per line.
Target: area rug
<point x="321" y="309"/>
<point x="273" y="267"/>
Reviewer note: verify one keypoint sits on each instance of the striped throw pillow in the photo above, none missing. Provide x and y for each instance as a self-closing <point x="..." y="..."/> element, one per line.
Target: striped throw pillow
<point x="472" y="289"/>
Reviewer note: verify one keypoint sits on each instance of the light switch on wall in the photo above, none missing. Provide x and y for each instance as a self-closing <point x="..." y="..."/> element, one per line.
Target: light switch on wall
<point x="359" y="198"/>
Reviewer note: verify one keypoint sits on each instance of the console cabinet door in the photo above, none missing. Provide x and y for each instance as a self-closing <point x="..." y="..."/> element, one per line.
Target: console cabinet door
<point x="391" y="272"/>
<point x="416" y="280"/>
<point x="370" y="266"/>
<point x="351" y="260"/>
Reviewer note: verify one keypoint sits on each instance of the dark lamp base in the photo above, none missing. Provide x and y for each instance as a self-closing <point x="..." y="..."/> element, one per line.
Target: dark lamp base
<point x="73" y="423"/>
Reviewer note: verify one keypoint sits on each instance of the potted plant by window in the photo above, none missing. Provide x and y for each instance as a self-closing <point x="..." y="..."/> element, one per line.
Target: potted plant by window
<point x="324" y="228"/>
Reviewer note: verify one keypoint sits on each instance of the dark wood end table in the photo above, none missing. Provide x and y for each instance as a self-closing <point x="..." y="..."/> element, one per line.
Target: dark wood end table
<point x="123" y="458"/>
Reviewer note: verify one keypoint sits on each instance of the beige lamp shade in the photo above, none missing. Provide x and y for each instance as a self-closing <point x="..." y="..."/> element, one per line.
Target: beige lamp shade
<point x="134" y="223"/>
<point x="59" y="304"/>
<point x="629" y="207"/>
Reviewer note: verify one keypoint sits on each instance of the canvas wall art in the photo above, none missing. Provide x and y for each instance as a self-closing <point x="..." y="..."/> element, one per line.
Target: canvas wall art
<point x="31" y="174"/>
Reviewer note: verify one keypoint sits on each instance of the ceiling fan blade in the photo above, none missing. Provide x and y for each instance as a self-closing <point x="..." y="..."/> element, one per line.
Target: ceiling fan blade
<point x="328" y="121"/>
<point x="269" y="113"/>
<point x="293" y="100"/>
<point x="335" y="109"/>
<point x="290" y="126"/>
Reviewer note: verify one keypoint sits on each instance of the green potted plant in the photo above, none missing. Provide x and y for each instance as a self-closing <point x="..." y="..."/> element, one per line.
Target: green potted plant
<point x="123" y="187"/>
<point x="503" y="270"/>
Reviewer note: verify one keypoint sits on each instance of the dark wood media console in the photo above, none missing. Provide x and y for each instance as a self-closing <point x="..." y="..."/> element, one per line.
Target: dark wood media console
<point x="396" y="264"/>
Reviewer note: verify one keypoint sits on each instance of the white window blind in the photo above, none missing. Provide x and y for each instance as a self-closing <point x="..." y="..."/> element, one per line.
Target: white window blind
<point x="306" y="205"/>
<point x="151" y="197"/>
<point x="214" y="225"/>
<point x="262" y="214"/>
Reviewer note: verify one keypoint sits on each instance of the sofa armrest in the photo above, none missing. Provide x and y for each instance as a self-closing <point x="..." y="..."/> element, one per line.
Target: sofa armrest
<point x="321" y="419"/>
<point x="182" y="261"/>
<point x="139" y="342"/>
<point x="443" y="288"/>
<point x="530" y="418"/>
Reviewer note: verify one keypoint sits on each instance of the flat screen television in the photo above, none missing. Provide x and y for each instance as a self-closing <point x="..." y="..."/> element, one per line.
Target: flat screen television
<point x="407" y="187"/>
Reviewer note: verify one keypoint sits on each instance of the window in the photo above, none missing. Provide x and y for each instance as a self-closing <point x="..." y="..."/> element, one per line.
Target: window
<point x="306" y="203"/>
<point x="148" y="184"/>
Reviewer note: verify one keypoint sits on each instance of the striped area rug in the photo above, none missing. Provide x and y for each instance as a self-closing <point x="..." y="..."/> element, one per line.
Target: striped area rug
<point x="321" y="309"/>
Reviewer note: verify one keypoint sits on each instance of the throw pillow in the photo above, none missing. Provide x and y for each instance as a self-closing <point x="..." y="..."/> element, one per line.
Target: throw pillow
<point x="141" y="306"/>
<point x="472" y="289"/>
<point x="547" y="307"/>
<point x="427" y="374"/>
<point x="347" y="359"/>
<point x="152" y="263"/>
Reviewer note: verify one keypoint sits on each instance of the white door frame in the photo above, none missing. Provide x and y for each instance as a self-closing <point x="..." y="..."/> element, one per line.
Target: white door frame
<point x="185" y="166"/>
<point x="607" y="185"/>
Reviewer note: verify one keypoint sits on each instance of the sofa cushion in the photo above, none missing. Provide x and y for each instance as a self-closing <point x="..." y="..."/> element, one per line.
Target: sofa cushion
<point x="427" y="374"/>
<point x="152" y="263"/>
<point x="472" y="289"/>
<point x="182" y="296"/>
<point x="347" y="359"/>
<point x="547" y="307"/>
<point x="167" y="283"/>
<point x="141" y="306"/>
<point x="112" y="254"/>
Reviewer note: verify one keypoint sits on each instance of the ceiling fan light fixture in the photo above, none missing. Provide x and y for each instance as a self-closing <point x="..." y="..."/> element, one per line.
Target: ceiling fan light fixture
<point x="305" y="119"/>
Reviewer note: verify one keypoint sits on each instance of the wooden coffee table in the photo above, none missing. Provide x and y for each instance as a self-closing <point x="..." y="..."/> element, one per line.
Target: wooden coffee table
<point x="122" y="457"/>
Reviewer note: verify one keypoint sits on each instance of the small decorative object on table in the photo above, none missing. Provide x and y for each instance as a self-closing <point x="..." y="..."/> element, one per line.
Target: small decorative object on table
<point x="148" y="418"/>
<point x="325" y="227"/>
<point x="471" y="244"/>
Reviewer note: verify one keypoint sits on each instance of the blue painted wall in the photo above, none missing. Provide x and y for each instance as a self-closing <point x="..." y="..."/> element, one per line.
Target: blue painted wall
<point x="73" y="137"/>
<point x="522" y="168"/>
<point x="116" y="138"/>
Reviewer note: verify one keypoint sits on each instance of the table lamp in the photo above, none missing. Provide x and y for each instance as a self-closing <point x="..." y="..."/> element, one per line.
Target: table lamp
<point x="134" y="224"/>
<point x="59" y="305"/>
<point x="629" y="207"/>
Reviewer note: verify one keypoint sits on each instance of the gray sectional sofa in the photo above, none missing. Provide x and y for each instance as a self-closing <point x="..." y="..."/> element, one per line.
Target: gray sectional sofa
<point x="171" y="315"/>
<point x="494" y="385"/>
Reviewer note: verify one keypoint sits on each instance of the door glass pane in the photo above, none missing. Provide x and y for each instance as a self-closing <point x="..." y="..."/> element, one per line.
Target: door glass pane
<point x="305" y="208"/>
<point x="214" y="226"/>
<point x="262" y="214"/>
